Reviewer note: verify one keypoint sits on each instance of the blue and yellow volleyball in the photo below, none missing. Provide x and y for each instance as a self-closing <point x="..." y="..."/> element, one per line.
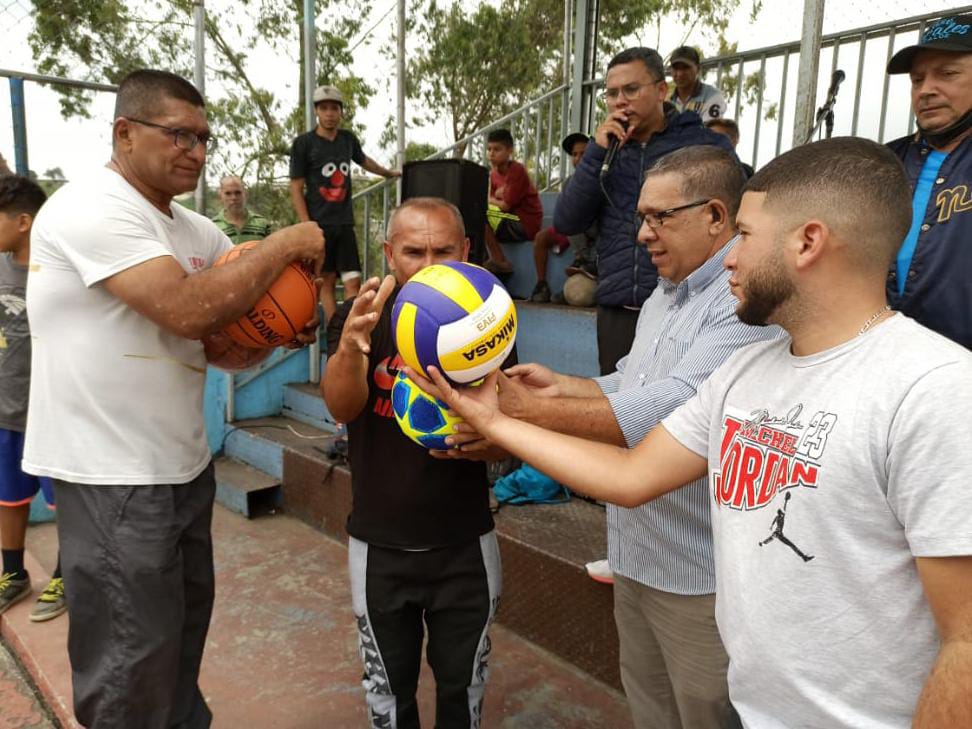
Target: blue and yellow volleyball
<point x="421" y="417"/>
<point x="457" y="317"/>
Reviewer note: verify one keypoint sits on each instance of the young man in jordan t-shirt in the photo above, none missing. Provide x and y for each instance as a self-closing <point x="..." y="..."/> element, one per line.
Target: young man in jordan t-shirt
<point x="320" y="189"/>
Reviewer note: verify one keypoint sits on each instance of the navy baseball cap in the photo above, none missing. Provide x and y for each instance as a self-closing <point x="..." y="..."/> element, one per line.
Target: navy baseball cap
<point x="571" y="139"/>
<point x="947" y="34"/>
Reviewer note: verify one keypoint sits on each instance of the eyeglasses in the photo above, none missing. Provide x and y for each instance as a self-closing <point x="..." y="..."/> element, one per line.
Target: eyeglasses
<point x="657" y="220"/>
<point x="628" y="91"/>
<point x="180" y="137"/>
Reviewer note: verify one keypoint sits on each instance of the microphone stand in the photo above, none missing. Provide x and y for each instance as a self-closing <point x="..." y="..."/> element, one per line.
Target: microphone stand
<point x="825" y="114"/>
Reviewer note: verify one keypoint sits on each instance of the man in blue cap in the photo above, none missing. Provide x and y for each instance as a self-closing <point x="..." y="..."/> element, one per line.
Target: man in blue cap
<point x="929" y="281"/>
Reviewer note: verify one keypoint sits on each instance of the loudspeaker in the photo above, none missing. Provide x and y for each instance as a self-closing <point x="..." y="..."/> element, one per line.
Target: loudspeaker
<point x="463" y="183"/>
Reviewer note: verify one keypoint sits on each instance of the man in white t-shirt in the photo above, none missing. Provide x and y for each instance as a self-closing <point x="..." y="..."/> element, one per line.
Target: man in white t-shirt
<point x="838" y="459"/>
<point x="125" y="311"/>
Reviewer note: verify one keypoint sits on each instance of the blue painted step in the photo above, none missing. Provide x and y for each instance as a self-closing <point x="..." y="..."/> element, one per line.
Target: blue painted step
<point x="244" y="489"/>
<point x="303" y="402"/>
<point x="261" y="442"/>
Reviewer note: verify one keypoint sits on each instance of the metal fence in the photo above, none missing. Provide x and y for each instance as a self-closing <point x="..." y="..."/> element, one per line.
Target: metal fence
<point x="760" y="88"/>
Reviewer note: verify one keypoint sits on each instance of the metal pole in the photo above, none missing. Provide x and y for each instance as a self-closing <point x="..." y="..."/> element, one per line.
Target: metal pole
<point x="310" y="121"/>
<point x="18" y="108"/>
<point x="310" y="75"/>
<point x="813" y="12"/>
<point x="580" y="61"/>
<point x="199" y="78"/>
<point x="400" y="61"/>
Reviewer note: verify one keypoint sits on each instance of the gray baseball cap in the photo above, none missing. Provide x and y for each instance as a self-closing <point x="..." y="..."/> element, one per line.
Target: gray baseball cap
<point x="328" y="93"/>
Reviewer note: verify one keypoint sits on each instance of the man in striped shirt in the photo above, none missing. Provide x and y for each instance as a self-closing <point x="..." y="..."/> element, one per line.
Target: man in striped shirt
<point x="235" y="219"/>
<point x="673" y="664"/>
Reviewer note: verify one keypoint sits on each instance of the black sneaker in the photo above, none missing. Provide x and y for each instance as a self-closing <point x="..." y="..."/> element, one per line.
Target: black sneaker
<point x="12" y="590"/>
<point x="541" y="293"/>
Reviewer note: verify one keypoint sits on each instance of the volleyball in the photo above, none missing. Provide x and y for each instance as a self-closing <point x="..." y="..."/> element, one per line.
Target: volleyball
<point x="421" y="417"/>
<point x="457" y="317"/>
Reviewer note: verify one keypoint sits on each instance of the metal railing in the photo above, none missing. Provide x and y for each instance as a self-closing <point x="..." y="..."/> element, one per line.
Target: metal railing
<point x="760" y="86"/>
<point x="760" y="89"/>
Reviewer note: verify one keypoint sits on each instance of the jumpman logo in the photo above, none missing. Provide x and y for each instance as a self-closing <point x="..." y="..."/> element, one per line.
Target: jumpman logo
<point x="777" y="528"/>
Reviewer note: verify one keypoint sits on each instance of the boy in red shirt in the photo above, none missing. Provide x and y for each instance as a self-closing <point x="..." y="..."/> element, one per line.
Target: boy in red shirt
<point x="515" y="213"/>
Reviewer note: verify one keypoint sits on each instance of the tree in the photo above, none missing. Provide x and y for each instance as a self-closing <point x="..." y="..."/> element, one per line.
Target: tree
<point x="476" y="66"/>
<point x="104" y="40"/>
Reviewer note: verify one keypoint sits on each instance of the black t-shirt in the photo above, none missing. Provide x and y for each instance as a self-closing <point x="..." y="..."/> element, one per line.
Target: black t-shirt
<point x="325" y="167"/>
<point x="402" y="497"/>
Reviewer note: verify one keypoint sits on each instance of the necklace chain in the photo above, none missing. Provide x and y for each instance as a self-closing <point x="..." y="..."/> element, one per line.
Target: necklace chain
<point x="877" y="315"/>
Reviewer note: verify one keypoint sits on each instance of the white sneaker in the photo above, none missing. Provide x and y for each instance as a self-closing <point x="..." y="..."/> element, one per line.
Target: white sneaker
<point x="600" y="571"/>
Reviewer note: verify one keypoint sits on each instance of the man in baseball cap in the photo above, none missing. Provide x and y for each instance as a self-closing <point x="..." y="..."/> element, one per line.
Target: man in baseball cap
<point x="688" y="92"/>
<point x="929" y="279"/>
<point x="320" y="190"/>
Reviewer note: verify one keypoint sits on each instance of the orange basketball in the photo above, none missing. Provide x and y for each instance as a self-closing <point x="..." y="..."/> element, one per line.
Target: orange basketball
<point x="281" y="313"/>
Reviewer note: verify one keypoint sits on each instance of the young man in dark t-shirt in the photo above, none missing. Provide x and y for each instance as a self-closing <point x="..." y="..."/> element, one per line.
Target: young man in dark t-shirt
<point x="515" y="213"/>
<point x="422" y="545"/>
<point x="320" y="190"/>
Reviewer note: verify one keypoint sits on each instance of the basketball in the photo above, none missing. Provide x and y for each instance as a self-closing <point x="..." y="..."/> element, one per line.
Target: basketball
<point x="457" y="317"/>
<point x="229" y="355"/>
<point x="281" y="313"/>
<point x="421" y="417"/>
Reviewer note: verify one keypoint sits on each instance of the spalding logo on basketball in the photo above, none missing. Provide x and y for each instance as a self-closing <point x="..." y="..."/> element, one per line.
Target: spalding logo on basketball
<point x="457" y="317"/>
<point x="281" y="313"/>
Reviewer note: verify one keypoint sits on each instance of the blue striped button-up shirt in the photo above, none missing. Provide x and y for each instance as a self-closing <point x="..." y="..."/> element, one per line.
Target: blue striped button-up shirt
<point x="684" y="333"/>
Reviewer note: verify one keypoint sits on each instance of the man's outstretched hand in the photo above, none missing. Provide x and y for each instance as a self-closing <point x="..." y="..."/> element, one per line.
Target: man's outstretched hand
<point x="365" y="313"/>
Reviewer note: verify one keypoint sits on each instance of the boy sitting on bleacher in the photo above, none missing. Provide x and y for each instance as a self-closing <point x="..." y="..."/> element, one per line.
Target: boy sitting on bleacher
<point x="550" y="238"/>
<point x="514" y="212"/>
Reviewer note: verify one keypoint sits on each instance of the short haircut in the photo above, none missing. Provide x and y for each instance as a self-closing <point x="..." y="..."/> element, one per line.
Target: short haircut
<point x="427" y="204"/>
<point x="141" y="92"/>
<point x="648" y="56"/>
<point x="502" y="136"/>
<point x="728" y="124"/>
<point x="857" y="187"/>
<point x="706" y="172"/>
<point x="20" y="195"/>
<point x="224" y="178"/>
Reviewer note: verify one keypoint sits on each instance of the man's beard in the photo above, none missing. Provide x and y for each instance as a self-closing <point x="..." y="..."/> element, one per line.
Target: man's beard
<point x="767" y="289"/>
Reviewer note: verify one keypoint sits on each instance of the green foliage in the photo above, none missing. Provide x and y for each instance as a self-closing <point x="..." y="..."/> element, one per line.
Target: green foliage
<point x="104" y="40"/>
<point x="415" y="151"/>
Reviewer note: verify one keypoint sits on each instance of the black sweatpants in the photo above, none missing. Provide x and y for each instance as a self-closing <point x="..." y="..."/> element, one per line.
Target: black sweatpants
<point x="455" y="591"/>
<point x="615" y="334"/>
<point x="137" y="563"/>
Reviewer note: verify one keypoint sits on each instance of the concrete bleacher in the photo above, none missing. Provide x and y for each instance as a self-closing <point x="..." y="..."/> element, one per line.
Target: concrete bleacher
<point x="524" y="277"/>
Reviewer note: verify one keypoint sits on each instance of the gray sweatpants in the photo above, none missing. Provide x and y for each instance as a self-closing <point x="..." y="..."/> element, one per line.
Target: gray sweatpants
<point x="137" y="563"/>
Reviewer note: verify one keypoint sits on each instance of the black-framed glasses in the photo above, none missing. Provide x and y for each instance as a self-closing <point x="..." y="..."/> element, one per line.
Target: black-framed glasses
<point x="657" y="220"/>
<point x="180" y="137"/>
<point x="628" y="91"/>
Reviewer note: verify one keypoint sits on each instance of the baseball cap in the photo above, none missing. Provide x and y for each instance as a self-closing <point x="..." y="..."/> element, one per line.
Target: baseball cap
<point x="571" y="139"/>
<point x="685" y="54"/>
<point x="948" y="34"/>
<point x="328" y="93"/>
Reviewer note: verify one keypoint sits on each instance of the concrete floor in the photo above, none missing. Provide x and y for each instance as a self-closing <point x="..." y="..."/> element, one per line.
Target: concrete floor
<point x="19" y="707"/>
<point x="282" y="647"/>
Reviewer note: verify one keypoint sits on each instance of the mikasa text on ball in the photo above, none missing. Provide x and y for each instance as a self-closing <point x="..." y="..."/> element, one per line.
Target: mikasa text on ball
<point x="457" y="317"/>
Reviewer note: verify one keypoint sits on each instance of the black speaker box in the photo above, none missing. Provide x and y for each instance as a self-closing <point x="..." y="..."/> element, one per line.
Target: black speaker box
<point x="463" y="183"/>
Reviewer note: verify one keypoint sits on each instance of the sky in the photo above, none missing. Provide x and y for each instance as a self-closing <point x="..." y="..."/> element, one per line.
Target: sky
<point x="75" y="145"/>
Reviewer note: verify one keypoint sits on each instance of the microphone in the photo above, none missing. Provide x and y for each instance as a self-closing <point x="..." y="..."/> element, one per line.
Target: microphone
<point x="835" y="81"/>
<point x="613" y="148"/>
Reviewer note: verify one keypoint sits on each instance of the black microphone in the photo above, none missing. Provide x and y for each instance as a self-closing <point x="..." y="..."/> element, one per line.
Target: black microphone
<point x="835" y="81"/>
<point x="613" y="148"/>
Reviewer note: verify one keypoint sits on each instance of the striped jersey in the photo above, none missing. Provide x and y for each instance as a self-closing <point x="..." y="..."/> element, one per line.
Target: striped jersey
<point x="256" y="227"/>
<point x="684" y="333"/>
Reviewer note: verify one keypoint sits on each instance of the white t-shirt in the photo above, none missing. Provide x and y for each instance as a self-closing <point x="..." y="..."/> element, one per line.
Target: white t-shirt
<point x="114" y="398"/>
<point x="829" y="474"/>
